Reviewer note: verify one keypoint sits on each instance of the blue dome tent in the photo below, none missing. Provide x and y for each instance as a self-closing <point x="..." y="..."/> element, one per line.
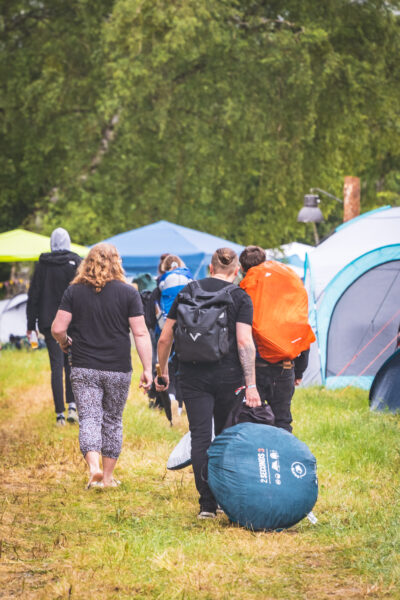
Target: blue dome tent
<point x="358" y="318"/>
<point x="353" y="280"/>
<point x="384" y="392"/>
<point x="140" y="249"/>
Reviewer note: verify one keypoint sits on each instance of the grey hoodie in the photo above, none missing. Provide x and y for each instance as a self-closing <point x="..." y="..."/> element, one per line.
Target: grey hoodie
<point x="60" y="240"/>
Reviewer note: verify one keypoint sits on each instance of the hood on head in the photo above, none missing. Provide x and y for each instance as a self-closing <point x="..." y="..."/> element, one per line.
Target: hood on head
<point x="60" y="240"/>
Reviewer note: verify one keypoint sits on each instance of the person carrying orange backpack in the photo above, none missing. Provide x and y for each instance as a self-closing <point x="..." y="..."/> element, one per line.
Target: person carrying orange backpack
<point x="281" y="330"/>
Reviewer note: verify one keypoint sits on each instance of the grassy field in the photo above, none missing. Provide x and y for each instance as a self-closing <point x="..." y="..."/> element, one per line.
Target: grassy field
<point x="142" y="540"/>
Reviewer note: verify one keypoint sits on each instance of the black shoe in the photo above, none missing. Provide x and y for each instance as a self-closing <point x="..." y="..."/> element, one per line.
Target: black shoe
<point x="72" y="415"/>
<point x="60" y="420"/>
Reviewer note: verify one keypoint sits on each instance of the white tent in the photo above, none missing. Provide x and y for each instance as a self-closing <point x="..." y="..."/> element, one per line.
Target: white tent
<point x="293" y="254"/>
<point x="353" y="280"/>
<point x="13" y="317"/>
<point x="374" y="229"/>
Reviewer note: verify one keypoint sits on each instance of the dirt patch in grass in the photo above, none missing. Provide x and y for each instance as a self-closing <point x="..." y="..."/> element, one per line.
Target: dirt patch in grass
<point x="142" y="540"/>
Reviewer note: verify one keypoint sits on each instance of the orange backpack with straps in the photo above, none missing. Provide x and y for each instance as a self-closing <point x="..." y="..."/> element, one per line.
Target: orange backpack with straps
<point x="280" y="322"/>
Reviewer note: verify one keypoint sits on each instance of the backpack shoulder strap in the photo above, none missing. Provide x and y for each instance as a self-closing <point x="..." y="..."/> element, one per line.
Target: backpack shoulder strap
<point x="229" y="288"/>
<point x="194" y="284"/>
<point x="191" y="289"/>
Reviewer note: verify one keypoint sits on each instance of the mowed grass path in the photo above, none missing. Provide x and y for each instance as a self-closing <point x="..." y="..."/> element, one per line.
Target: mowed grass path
<point x="143" y="540"/>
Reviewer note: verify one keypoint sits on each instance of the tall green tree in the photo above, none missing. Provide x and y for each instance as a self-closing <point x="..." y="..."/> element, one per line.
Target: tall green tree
<point x="216" y="114"/>
<point x="51" y="76"/>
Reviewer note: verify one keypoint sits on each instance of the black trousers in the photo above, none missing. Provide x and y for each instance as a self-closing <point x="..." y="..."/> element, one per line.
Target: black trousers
<point x="207" y="393"/>
<point x="58" y="365"/>
<point x="276" y="386"/>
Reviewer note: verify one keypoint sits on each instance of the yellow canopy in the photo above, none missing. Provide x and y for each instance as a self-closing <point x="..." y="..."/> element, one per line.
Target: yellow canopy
<point x="20" y="245"/>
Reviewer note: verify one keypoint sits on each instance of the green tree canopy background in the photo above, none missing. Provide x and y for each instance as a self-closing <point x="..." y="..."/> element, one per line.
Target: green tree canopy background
<point x="214" y="114"/>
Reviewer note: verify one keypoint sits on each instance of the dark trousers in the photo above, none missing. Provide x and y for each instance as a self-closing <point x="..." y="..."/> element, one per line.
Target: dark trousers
<point x="207" y="393"/>
<point x="58" y="364"/>
<point x="174" y="384"/>
<point x="276" y="386"/>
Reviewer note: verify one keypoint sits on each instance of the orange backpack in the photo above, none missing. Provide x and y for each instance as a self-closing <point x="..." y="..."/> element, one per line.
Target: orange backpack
<point x="280" y="322"/>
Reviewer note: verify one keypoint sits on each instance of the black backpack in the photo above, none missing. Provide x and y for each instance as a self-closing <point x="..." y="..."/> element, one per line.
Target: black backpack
<point x="201" y="329"/>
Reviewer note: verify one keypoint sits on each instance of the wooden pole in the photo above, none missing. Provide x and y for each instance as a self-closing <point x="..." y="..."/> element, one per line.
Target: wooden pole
<point x="316" y="236"/>
<point x="351" y="198"/>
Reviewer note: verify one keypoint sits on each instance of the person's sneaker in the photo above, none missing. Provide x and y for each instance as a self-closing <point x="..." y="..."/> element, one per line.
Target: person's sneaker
<point x="60" y="421"/>
<point x="72" y="415"/>
<point x="205" y="514"/>
<point x="220" y="510"/>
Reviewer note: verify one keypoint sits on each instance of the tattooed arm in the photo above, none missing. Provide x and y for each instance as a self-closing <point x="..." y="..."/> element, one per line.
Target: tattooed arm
<point x="247" y="356"/>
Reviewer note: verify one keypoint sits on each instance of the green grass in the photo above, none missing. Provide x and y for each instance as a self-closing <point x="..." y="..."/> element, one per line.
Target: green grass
<point x="142" y="540"/>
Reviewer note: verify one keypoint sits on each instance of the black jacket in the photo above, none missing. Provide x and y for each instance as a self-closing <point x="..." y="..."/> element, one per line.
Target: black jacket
<point x="52" y="276"/>
<point x="301" y="364"/>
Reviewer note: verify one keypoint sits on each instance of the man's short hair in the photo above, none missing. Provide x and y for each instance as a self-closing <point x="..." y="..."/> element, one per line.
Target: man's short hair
<point x="251" y="257"/>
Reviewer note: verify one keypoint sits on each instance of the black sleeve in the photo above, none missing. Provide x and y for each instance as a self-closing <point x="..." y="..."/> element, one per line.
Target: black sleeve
<point x="135" y="305"/>
<point x="173" y="311"/>
<point x="66" y="300"/>
<point x="150" y="308"/>
<point x="245" y="310"/>
<point x="300" y="363"/>
<point x="32" y="307"/>
<point x="72" y="268"/>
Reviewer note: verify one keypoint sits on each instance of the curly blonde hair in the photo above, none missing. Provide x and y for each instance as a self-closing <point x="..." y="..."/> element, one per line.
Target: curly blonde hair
<point x="102" y="264"/>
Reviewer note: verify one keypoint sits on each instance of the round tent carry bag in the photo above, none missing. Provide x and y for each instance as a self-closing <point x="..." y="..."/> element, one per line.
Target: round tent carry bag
<point x="262" y="476"/>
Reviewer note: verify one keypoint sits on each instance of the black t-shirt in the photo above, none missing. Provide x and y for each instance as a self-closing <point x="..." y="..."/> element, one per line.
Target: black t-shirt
<point x="100" y="324"/>
<point x="240" y="311"/>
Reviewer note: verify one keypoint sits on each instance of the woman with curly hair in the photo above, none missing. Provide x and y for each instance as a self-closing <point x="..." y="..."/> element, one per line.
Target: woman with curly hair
<point x="93" y="321"/>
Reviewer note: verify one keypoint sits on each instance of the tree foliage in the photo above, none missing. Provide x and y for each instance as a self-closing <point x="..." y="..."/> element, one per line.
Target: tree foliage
<point x="215" y="114"/>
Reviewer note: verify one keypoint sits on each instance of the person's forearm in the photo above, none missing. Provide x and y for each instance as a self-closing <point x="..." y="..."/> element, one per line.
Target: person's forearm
<point x="60" y="335"/>
<point x="247" y="357"/>
<point x="59" y="328"/>
<point x="145" y="351"/>
<point x="163" y="351"/>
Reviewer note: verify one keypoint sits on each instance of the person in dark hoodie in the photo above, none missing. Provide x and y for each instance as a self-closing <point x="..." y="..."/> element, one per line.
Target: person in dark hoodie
<point x="53" y="274"/>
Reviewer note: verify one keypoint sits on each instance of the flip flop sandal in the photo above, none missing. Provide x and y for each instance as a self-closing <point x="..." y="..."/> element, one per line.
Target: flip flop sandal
<point x="114" y="483"/>
<point x="95" y="480"/>
<point x="95" y="484"/>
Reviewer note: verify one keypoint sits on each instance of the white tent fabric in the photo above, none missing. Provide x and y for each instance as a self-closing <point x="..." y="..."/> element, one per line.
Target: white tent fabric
<point x="13" y="317"/>
<point x="292" y="254"/>
<point x="293" y="250"/>
<point x="371" y="230"/>
<point x="367" y="233"/>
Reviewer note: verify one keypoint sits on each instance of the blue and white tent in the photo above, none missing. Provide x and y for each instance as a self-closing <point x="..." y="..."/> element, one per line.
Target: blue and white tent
<point x="384" y="393"/>
<point x="140" y="249"/>
<point x="292" y="254"/>
<point x="353" y="281"/>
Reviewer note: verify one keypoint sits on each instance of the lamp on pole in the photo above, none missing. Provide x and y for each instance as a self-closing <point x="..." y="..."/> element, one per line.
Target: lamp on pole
<point x="311" y="213"/>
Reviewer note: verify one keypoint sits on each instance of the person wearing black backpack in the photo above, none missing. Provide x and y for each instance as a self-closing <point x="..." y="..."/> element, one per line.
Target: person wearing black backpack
<point x="210" y="322"/>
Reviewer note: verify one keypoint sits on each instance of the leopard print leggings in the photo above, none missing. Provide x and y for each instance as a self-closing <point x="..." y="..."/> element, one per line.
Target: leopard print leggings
<point x="100" y="397"/>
